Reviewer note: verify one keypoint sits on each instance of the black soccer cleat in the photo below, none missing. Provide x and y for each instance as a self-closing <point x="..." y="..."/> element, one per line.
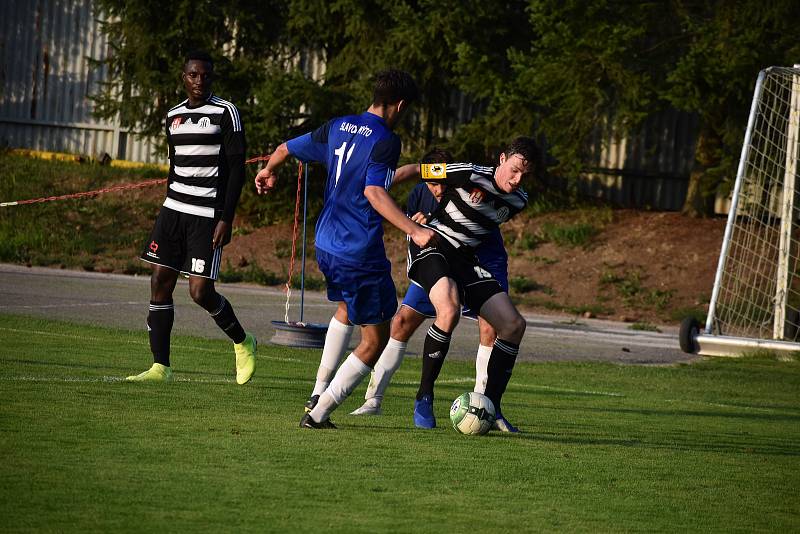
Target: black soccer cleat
<point x="308" y="422"/>
<point x="311" y="402"/>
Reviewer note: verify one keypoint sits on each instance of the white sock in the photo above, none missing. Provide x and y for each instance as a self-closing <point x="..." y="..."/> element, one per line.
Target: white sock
<point x="336" y="340"/>
<point x="389" y="362"/>
<point x="347" y="378"/>
<point x="481" y="368"/>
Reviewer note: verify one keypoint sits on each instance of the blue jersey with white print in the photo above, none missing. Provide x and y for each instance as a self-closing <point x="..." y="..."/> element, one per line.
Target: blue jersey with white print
<point x="358" y="151"/>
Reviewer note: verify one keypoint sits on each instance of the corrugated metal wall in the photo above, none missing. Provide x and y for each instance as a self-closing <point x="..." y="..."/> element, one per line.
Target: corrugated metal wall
<point x="650" y="169"/>
<point x="46" y="80"/>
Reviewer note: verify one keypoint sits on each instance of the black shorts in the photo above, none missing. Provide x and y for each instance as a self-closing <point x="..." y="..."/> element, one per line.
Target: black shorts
<point x="182" y="242"/>
<point x="427" y="265"/>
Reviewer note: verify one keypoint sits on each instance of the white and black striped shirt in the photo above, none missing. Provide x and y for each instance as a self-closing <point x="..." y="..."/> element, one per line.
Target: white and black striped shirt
<point x="462" y="222"/>
<point x="201" y="139"/>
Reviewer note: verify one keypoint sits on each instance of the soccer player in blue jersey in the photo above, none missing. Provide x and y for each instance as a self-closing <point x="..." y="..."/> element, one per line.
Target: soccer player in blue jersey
<point x="360" y="153"/>
<point x="416" y="307"/>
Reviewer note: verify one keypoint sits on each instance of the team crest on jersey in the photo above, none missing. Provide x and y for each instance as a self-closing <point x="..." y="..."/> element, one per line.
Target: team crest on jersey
<point x="434" y="171"/>
<point x="502" y="213"/>
<point x="205" y="122"/>
<point x="176" y="122"/>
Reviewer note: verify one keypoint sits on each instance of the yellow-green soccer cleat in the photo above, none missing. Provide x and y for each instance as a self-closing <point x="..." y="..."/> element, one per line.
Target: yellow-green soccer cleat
<point x="157" y="373"/>
<point x="245" y="358"/>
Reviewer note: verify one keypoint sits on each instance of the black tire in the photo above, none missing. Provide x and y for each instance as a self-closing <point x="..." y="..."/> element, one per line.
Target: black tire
<point x="791" y="330"/>
<point x="689" y="330"/>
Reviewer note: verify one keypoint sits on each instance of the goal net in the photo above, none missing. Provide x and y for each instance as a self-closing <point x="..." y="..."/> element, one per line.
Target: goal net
<point x="755" y="302"/>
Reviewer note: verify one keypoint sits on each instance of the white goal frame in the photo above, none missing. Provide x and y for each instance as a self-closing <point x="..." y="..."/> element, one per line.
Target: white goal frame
<point x="755" y="302"/>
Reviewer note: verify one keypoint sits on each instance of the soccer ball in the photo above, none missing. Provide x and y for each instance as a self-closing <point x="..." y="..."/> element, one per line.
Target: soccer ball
<point x="472" y="413"/>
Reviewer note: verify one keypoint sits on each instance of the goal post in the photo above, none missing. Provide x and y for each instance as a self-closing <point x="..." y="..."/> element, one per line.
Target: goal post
<point x="755" y="301"/>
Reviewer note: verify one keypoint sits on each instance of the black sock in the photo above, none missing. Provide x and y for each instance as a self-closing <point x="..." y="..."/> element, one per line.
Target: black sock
<point x="501" y="364"/>
<point x="437" y="343"/>
<point x="159" y="326"/>
<point x="226" y="319"/>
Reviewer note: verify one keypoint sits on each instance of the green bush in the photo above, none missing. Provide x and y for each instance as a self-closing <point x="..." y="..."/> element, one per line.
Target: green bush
<point x="522" y="284"/>
<point x="573" y="235"/>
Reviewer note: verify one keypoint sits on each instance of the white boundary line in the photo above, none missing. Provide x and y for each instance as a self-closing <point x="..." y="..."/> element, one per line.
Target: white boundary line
<point x="106" y="379"/>
<point x="458" y="380"/>
<point x="114" y="379"/>
<point x="470" y="380"/>
<point x="67" y="305"/>
<point x="117" y="379"/>
<point x="143" y="343"/>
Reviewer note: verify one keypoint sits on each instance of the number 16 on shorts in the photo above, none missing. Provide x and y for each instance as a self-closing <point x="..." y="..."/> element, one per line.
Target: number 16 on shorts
<point x="482" y="273"/>
<point x="198" y="265"/>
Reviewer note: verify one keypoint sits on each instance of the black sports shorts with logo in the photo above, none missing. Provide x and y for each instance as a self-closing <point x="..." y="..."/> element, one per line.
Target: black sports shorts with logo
<point x="182" y="242"/>
<point x="427" y="265"/>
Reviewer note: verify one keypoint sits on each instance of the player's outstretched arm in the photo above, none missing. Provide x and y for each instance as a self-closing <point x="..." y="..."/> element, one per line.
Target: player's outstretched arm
<point x="266" y="177"/>
<point x="406" y="172"/>
<point x="389" y="210"/>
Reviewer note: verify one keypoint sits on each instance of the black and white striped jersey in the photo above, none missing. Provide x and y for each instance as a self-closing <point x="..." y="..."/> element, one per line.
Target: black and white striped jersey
<point x="462" y="222"/>
<point x="201" y="139"/>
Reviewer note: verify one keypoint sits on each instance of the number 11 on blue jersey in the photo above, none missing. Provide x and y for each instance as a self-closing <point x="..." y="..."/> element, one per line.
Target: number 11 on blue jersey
<point x="339" y="153"/>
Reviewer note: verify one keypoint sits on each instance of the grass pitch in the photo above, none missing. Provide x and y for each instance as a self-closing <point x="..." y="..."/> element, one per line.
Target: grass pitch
<point x="713" y="446"/>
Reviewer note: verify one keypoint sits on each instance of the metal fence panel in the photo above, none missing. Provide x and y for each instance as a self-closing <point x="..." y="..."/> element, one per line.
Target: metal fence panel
<point x="45" y="46"/>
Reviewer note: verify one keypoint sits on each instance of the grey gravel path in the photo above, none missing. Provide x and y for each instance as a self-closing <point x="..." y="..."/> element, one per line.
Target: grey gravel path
<point x="119" y="300"/>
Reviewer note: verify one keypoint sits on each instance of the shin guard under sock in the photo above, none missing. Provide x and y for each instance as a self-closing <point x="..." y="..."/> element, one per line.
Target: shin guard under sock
<point x="437" y="343"/>
<point x="159" y="326"/>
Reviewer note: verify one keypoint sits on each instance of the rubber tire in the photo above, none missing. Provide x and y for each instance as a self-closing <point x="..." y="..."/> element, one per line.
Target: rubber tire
<point x="791" y="330"/>
<point x="689" y="330"/>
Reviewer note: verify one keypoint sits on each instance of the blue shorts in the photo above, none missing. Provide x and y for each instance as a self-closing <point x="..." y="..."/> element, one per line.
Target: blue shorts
<point x="366" y="289"/>
<point x="418" y="300"/>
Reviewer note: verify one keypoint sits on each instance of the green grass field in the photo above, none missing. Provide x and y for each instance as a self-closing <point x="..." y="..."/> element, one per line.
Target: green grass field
<point x="713" y="446"/>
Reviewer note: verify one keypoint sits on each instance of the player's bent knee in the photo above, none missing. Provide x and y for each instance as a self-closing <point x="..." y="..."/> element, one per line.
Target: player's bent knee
<point x="512" y="329"/>
<point x="162" y="283"/>
<point x="369" y="350"/>
<point x="447" y="317"/>
<point x="203" y="295"/>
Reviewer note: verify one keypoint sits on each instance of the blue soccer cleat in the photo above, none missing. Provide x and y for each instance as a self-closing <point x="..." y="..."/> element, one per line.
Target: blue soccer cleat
<point x="502" y="424"/>
<point x="423" y="413"/>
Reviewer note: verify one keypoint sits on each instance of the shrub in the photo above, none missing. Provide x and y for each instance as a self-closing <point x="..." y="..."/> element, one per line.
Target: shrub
<point x="574" y="235"/>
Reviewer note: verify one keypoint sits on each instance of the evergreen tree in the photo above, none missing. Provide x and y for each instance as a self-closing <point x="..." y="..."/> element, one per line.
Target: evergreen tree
<point x="487" y="70"/>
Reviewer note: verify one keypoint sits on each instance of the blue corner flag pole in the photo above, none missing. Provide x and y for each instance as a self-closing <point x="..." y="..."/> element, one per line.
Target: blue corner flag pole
<point x="303" y="266"/>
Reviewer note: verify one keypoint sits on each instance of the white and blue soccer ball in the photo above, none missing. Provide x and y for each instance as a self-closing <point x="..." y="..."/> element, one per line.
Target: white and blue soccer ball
<point x="472" y="414"/>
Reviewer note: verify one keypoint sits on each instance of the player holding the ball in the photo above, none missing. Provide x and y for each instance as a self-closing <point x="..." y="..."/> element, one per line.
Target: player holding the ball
<point x="416" y="307"/>
<point x="450" y="274"/>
